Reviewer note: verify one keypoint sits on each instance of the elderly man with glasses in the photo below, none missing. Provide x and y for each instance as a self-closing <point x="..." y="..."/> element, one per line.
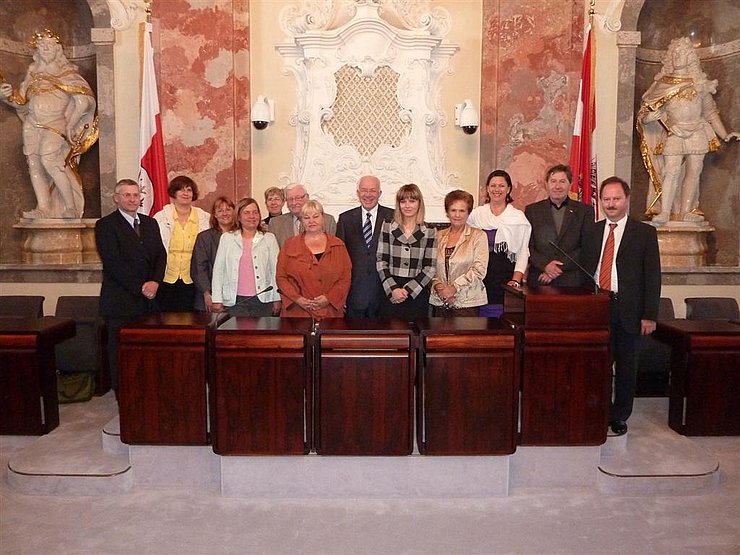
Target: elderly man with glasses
<point x="288" y="225"/>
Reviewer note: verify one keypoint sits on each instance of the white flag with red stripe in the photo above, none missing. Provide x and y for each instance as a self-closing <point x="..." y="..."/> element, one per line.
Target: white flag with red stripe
<point x="152" y="166"/>
<point x="583" y="149"/>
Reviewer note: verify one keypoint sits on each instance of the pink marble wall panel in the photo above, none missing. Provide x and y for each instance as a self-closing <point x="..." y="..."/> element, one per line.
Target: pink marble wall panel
<point x="204" y="93"/>
<point x="529" y="87"/>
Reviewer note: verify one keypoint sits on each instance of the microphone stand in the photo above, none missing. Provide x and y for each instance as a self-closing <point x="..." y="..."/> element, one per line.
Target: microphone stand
<point x="314" y="320"/>
<point x="578" y="265"/>
<point x="257" y="294"/>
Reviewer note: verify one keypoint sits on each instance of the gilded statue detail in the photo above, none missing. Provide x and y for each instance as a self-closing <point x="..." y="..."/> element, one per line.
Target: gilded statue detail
<point x="57" y="108"/>
<point x="678" y="125"/>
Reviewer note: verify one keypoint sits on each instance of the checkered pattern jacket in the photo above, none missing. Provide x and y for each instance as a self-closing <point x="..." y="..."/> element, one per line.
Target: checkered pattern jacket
<point x="407" y="257"/>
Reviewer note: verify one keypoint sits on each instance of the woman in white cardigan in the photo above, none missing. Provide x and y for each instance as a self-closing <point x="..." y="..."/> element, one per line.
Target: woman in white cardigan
<point x="179" y="224"/>
<point x="244" y="270"/>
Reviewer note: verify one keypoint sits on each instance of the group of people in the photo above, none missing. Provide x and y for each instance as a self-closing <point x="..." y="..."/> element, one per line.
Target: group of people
<point x="380" y="262"/>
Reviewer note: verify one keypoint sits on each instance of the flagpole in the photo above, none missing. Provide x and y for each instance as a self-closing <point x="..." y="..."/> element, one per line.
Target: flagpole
<point x="152" y="165"/>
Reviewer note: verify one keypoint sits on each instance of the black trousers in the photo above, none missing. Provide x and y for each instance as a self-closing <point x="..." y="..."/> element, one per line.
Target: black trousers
<point x="176" y="297"/>
<point x="625" y="351"/>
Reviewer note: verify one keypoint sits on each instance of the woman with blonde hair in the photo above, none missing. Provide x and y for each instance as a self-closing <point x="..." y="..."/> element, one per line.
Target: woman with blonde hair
<point x="407" y="257"/>
<point x="244" y="270"/>
<point x="314" y="269"/>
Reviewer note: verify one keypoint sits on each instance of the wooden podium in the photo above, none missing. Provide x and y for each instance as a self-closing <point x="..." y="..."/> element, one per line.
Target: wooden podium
<point x="566" y="372"/>
<point x="261" y="395"/>
<point x="28" y="374"/>
<point x="364" y="383"/>
<point x="705" y="380"/>
<point x="162" y="360"/>
<point x="467" y="397"/>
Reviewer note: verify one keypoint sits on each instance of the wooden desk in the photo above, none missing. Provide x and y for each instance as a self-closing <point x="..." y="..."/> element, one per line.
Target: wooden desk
<point x="467" y="398"/>
<point x="566" y="373"/>
<point x="364" y="383"/>
<point x="162" y="362"/>
<point x="28" y="380"/>
<point x="705" y="376"/>
<point x="261" y="395"/>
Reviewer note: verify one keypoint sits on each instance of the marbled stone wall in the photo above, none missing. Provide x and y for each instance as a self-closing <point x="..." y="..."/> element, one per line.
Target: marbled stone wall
<point x="204" y="93"/>
<point x="529" y="88"/>
<point x="715" y="24"/>
<point x="72" y="21"/>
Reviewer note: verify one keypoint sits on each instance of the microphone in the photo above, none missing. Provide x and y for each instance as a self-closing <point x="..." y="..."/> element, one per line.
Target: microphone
<point x="257" y="294"/>
<point x="314" y="320"/>
<point x="578" y="265"/>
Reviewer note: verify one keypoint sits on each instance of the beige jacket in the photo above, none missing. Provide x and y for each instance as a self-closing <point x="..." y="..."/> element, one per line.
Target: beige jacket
<point x="468" y="267"/>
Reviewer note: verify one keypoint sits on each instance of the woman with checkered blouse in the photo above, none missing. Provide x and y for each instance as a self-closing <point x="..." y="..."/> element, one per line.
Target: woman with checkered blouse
<point x="407" y="257"/>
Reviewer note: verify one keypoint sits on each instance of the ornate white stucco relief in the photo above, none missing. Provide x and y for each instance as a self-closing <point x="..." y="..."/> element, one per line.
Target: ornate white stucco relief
<point x="368" y="98"/>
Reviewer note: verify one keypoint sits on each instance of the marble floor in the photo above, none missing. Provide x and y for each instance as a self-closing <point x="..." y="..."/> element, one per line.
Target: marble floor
<point x="178" y="520"/>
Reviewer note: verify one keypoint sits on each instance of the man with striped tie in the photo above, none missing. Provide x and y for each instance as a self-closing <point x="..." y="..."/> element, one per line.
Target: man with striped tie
<point x="359" y="228"/>
<point x="623" y="256"/>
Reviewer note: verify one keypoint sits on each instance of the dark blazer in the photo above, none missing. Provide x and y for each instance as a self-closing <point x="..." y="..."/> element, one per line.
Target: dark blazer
<point x="201" y="263"/>
<point x="282" y="227"/>
<point x="365" y="291"/>
<point x="638" y="271"/>
<point x="578" y="221"/>
<point x="128" y="262"/>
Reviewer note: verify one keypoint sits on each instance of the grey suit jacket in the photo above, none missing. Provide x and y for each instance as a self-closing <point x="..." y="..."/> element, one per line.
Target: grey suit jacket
<point x="578" y="221"/>
<point x="365" y="290"/>
<point x="283" y="229"/>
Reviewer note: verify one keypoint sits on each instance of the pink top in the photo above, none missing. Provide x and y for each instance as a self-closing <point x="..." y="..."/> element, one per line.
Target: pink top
<point x="246" y="286"/>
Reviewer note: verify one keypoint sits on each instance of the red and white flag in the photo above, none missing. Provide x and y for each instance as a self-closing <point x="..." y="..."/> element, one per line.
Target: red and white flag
<point x="152" y="166"/>
<point x="583" y="149"/>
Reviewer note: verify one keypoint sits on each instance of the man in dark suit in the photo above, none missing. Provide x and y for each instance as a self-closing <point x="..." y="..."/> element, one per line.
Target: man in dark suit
<point x="134" y="261"/>
<point x="630" y="268"/>
<point x="365" y="291"/>
<point x="562" y="221"/>
<point x="288" y="225"/>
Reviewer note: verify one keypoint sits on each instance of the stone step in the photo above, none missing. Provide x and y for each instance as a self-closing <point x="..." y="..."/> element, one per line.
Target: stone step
<point x="70" y="460"/>
<point x="111" y="438"/>
<point x="652" y="459"/>
<point x="76" y="459"/>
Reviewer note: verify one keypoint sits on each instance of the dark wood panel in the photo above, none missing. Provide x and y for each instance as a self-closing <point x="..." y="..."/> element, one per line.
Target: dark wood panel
<point x="465" y="342"/>
<point x="705" y="357"/>
<point x="162" y="398"/>
<point x="28" y="385"/>
<point x="370" y="342"/>
<point x="713" y="403"/>
<point x="468" y="402"/>
<point x="548" y="307"/>
<point x="261" y="403"/>
<point x="566" y="392"/>
<point x="20" y="393"/>
<point x="364" y="403"/>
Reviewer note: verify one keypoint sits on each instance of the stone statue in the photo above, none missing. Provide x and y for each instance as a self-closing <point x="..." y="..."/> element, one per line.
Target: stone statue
<point x="678" y="124"/>
<point x="57" y="108"/>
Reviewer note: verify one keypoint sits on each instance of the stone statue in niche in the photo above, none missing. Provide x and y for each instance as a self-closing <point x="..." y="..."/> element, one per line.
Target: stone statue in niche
<point x="57" y="108"/>
<point x="678" y="125"/>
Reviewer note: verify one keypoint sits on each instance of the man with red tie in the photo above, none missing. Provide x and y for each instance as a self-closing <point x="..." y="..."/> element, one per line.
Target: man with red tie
<point x="623" y="256"/>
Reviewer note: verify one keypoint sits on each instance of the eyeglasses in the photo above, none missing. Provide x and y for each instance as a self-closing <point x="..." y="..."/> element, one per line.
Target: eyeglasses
<point x="296" y="199"/>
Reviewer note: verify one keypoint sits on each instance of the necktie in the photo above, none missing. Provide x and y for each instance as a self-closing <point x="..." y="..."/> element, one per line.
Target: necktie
<point x="136" y="227"/>
<point x="296" y="225"/>
<point x="367" y="230"/>
<point x="607" y="259"/>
